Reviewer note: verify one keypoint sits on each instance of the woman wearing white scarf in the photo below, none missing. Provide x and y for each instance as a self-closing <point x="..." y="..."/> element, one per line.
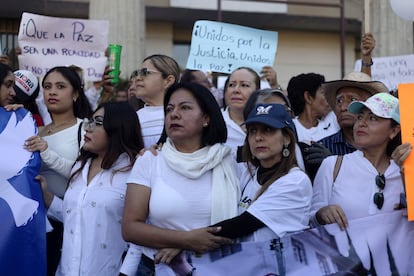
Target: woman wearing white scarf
<point x="190" y="184"/>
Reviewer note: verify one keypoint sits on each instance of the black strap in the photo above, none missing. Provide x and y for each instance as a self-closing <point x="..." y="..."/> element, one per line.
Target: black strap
<point x="79" y="134"/>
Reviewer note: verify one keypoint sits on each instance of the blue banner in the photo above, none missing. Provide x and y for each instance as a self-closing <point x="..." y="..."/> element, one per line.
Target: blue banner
<point x="22" y="213"/>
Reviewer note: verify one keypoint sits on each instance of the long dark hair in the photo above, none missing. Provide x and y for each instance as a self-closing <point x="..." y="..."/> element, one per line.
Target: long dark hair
<point x="4" y="71"/>
<point x="124" y="134"/>
<point x="81" y="107"/>
<point x="285" y="164"/>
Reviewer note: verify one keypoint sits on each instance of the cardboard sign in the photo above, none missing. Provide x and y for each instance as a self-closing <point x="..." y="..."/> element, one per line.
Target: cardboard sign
<point x="49" y="41"/>
<point x="223" y="47"/>
<point x="406" y="98"/>
<point x="391" y="70"/>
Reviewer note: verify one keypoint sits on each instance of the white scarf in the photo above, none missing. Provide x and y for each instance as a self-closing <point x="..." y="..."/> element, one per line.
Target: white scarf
<point x="225" y="187"/>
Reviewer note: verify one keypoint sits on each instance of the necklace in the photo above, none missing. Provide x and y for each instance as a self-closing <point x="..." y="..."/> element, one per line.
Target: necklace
<point x="53" y="128"/>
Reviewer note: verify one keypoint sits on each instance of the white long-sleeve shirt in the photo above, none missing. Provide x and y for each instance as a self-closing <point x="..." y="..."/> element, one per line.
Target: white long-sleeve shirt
<point x="91" y="214"/>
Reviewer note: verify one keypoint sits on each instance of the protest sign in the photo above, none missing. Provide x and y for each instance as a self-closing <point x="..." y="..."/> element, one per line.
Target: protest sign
<point x="50" y="41"/>
<point x="363" y="249"/>
<point x="391" y="70"/>
<point x="223" y="47"/>
<point x="406" y="97"/>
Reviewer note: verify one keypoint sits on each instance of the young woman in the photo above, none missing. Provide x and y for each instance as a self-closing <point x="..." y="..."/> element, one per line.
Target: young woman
<point x="59" y="141"/>
<point x="190" y="183"/>
<point x="377" y="184"/>
<point x="92" y="208"/>
<point x="157" y="73"/>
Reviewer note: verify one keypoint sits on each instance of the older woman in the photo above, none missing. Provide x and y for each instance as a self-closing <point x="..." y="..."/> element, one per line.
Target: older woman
<point x="377" y="184"/>
<point x="189" y="184"/>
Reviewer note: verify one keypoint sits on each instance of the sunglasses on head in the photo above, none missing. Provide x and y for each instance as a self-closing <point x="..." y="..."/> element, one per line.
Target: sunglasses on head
<point x="379" y="196"/>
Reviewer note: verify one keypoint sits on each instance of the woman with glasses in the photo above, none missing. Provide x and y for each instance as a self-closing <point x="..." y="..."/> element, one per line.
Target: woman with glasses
<point x="91" y="210"/>
<point x="376" y="183"/>
<point x="59" y="141"/>
<point x="157" y="73"/>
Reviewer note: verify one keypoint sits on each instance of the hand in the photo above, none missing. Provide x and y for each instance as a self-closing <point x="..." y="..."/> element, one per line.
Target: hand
<point x="13" y="107"/>
<point x="35" y="143"/>
<point x="153" y="149"/>
<point x="401" y="153"/>
<point x="367" y="44"/>
<point x="108" y="86"/>
<point x="47" y="196"/>
<point x="203" y="239"/>
<point x="5" y="59"/>
<point x="315" y="154"/>
<point x="270" y="75"/>
<point x="331" y="214"/>
<point x="166" y="255"/>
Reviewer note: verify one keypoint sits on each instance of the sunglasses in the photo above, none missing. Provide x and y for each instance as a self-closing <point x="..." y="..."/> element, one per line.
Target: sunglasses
<point x="143" y="72"/>
<point x="379" y="196"/>
<point x="90" y="124"/>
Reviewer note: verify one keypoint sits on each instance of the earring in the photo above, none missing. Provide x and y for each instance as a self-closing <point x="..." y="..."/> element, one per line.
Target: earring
<point x="205" y="125"/>
<point x="285" y="151"/>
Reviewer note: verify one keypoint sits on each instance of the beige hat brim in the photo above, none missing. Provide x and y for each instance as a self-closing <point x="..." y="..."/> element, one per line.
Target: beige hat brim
<point x="331" y="88"/>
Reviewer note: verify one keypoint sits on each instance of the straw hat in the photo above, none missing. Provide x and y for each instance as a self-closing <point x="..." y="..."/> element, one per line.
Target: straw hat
<point x="353" y="79"/>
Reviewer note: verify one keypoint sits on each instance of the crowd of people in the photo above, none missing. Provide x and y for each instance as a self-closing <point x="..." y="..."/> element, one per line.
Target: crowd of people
<point x="168" y="162"/>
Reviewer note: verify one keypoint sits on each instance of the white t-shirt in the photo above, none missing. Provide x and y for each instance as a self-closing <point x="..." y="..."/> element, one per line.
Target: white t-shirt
<point x="91" y="215"/>
<point x="59" y="157"/>
<point x="354" y="187"/>
<point x="284" y="207"/>
<point x="151" y="119"/>
<point x="235" y="134"/>
<point x="176" y="202"/>
<point x="326" y="127"/>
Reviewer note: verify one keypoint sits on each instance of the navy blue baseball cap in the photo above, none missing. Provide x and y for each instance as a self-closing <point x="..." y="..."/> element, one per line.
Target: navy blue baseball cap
<point x="273" y="115"/>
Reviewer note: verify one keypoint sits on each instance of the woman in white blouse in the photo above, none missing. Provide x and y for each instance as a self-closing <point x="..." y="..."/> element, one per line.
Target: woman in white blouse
<point x="92" y="207"/>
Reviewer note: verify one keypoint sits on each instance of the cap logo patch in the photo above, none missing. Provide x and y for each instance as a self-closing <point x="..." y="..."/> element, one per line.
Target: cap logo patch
<point x="263" y="110"/>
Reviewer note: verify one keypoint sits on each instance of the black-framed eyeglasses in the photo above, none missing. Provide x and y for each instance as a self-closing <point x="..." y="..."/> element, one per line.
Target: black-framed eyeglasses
<point x="143" y="72"/>
<point x="379" y="196"/>
<point x="90" y="124"/>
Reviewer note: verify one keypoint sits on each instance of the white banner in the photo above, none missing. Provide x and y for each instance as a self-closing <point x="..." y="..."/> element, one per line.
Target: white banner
<point x="49" y="41"/>
<point x="391" y="70"/>
<point x="376" y="245"/>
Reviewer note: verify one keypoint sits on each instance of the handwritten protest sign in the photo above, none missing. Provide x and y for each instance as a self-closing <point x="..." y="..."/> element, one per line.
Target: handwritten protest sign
<point x="406" y="97"/>
<point x="391" y="70"/>
<point x="49" y="41"/>
<point x="223" y="47"/>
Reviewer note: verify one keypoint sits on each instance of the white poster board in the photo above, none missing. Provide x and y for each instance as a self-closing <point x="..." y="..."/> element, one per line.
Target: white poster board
<point x="391" y="70"/>
<point x="223" y="47"/>
<point x="46" y="42"/>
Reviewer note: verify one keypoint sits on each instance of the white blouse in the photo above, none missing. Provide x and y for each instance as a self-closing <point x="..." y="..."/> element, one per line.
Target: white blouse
<point x="91" y="214"/>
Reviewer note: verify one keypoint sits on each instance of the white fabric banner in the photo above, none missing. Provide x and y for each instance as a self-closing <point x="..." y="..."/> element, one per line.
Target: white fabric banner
<point x="50" y="41"/>
<point x="377" y="245"/>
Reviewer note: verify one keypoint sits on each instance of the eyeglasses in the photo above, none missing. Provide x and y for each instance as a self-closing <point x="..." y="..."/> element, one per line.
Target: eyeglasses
<point x="379" y="196"/>
<point x="143" y="72"/>
<point x="90" y="124"/>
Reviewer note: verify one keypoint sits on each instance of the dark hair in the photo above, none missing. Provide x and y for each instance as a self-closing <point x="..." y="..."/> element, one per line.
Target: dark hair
<point x="188" y="76"/>
<point x="4" y="71"/>
<point x="216" y="131"/>
<point x="166" y="65"/>
<point x="124" y="135"/>
<point x="81" y="107"/>
<point x="282" y="168"/>
<point x="298" y="85"/>
<point x="395" y="142"/>
<point x="256" y="76"/>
